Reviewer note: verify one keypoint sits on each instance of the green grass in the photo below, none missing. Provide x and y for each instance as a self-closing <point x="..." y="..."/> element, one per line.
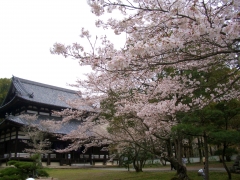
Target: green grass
<point x="104" y="174"/>
<point x="97" y="174"/>
<point x="211" y="164"/>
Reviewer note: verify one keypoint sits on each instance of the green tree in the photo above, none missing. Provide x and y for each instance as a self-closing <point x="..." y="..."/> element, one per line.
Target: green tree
<point x="135" y="155"/>
<point x="4" y="86"/>
<point x="215" y="124"/>
<point x="199" y="123"/>
<point x="226" y="133"/>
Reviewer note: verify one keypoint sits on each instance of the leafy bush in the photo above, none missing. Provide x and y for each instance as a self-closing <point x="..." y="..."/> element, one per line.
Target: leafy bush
<point x="12" y="173"/>
<point x="18" y="171"/>
<point x="42" y="173"/>
<point x="24" y="167"/>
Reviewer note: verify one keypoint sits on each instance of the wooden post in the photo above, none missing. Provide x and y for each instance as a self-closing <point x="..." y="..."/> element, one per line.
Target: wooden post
<point x="90" y="156"/>
<point x="16" y="142"/>
<point x="105" y="159"/>
<point x="48" y="159"/>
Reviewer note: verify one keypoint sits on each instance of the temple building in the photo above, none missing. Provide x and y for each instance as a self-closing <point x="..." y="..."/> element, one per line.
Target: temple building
<point x="29" y="97"/>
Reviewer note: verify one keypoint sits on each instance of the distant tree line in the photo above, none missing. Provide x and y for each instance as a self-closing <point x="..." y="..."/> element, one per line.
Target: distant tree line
<point x="4" y="86"/>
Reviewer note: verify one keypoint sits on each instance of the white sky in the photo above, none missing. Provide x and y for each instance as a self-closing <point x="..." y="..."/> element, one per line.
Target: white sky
<point x="29" y="28"/>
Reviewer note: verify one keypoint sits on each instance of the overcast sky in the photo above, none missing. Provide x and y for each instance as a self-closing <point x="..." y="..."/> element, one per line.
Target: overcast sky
<point x="29" y="28"/>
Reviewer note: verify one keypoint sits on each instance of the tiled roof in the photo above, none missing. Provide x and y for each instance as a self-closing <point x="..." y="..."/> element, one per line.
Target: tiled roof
<point x="44" y="94"/>
<point x="65" y="129"/>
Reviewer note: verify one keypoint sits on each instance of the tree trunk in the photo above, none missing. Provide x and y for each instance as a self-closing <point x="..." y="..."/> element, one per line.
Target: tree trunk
<point x="206" y="156"/>
<point x="190" y="148"/>
<point x="137" y="166"/>
<point x="202" y="146"/>
<point x="210" y="148"/>
<point x="223" y="161"/>
<point x="161" y="160"/>
<point x="199" y="150"/>
<point x="220" y="157"/>
<point x="181" y="170"/>
<point x="169" y="147"/>
<point x="179" y="149"/>
<point x="170" y="151"/>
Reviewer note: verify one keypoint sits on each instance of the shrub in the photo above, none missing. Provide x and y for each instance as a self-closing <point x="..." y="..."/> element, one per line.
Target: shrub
<point x="12" y="173"/>
<point x="42" y="173"/>
<point x="24" y="167"/>
<point x="19" y="171"/>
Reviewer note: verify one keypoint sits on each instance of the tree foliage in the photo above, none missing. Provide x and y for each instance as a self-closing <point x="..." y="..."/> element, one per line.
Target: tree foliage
<point x="18" y="170"/>
<point x="179" y="56"/>
<point x="216" y="123"/>
<point x="38" y="133"/>
<point x="4" y="86"/>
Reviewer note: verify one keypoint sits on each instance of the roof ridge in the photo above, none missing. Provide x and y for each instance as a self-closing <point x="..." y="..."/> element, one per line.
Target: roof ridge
<point x="18" y="83"/>
<point x="45" y="85"/>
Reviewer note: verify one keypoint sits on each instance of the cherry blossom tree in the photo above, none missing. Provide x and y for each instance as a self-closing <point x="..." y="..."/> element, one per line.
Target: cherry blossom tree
<point x="164" y="41"/>
<point x="38" y="133"/>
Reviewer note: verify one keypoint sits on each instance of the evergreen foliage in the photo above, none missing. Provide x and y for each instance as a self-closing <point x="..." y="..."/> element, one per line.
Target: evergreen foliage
<point x="4" y="86"/>
<point x="20" y="170"/>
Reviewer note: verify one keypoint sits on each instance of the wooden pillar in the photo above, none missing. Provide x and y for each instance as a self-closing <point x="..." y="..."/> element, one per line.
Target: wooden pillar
<point x="16" y="142"/>
<point x="105" y="159"/>
<point x="48" y="159"/>
<point x="90" y="156"/>
<point x="93" y="156"/>
<point x="1" y="142"/>
<point x="5" y="144"/>
<point x="69" y="158"/>
<point x="10" y="142"/>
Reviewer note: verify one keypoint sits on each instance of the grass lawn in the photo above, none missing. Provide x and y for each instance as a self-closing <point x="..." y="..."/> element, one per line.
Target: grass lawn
<point x="100" y="174"/>
<point x="107" y="174"/>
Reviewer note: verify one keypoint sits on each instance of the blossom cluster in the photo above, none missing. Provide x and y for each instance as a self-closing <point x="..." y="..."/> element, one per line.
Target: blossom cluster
<point x="148" y="79"/>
